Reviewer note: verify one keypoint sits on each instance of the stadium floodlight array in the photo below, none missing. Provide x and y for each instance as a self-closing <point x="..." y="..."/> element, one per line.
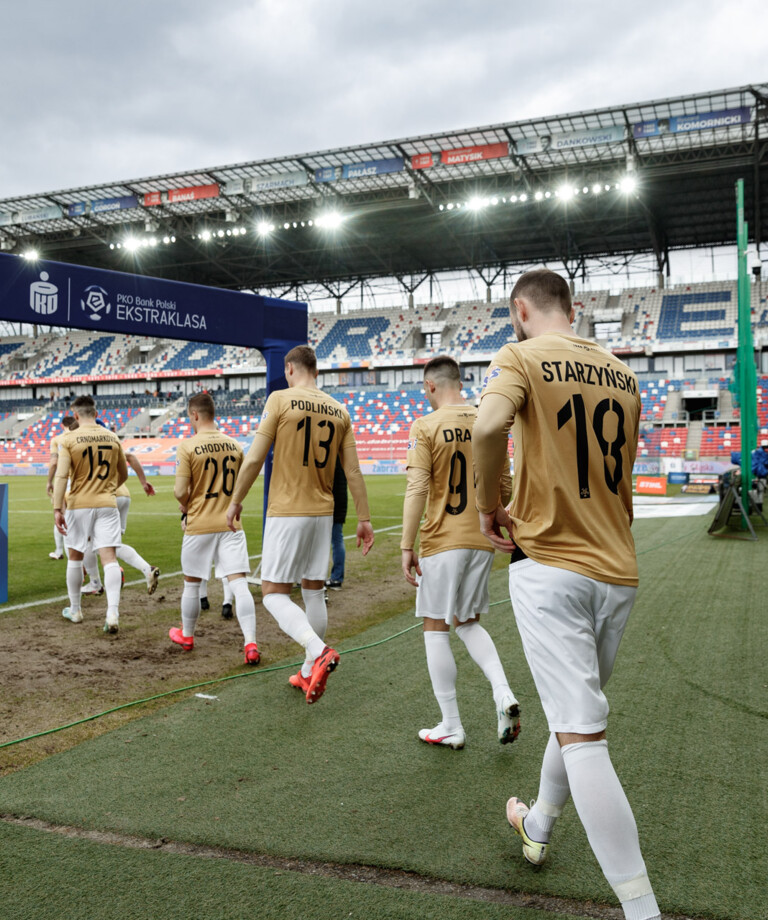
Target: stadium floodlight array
<point x="565" y="193"/>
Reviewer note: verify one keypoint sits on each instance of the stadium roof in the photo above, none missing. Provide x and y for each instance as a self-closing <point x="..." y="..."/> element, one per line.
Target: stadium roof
<point x="614" y="182"/>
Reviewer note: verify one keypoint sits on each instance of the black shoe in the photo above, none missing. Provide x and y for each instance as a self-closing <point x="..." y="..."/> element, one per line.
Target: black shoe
<point x="204" y="605"/>
<point x="336" y="585"/>
<point x="226" y="611"/>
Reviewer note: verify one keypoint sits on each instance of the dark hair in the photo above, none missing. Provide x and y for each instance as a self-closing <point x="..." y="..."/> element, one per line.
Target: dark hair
<point x="84" y="405"/>
<point x="443" y="368"/>
<point x="203" y="404"/>
<point x="304" y="356"/>
<point x="69" y="421"/>
<point x="546" y="289"/>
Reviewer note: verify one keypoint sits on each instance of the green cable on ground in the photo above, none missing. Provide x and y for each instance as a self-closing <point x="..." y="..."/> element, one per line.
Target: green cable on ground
<point x="281" y="667"/>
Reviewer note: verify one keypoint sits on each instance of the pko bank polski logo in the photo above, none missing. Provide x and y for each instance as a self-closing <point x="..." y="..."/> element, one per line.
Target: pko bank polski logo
<point x="95" y="299"/>
<point x="43" y="296"/>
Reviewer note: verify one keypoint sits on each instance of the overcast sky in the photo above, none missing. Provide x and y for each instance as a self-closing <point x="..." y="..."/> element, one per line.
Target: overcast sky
<point x="101" y="91"/>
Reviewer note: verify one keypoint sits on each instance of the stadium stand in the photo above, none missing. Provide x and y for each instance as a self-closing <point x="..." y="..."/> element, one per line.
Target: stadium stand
<point x="647" y="317"/>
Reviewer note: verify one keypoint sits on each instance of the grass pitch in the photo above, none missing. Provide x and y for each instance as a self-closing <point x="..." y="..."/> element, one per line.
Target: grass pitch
<point x="256" y="771"/>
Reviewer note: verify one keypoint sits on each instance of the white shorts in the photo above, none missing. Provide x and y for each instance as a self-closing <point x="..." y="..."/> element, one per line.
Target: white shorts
<point x="454" y="583"/>
<point x="199" y="551"/>
<point x="571" y="627"/>
<point x="296" y="548"/>
<point x="123" y="504"/>
<point x="101" y="525"/>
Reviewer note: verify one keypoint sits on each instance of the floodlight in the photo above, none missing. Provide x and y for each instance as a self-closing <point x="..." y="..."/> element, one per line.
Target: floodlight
<point x="111" y="245"/>
<point x="330" y="221"/>
<point x="166" y="240"/>
<point x="205" y="235"/>
<point x="220" y="233"/>
<point x="538" y="196"/>
<point x="597" y="188"/>
<point x="523" y="197"/>
<point x="513" y="198"/>
<point x="476" y="204"/>
<point x="286" y="226"/>
<point x="31" y="255"/>
<point x="132" y="244"/>
<point x="450" y="205"/>
<point x="548" y="194"/>
<point x="628" y="185"/>
<point x="585" y="190"/>
<point x="264" y="228"/>
<point x="494" y="200"/>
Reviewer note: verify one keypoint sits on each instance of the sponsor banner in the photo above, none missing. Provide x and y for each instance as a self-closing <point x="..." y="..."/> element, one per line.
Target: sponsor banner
<point x="50" y="212"/>
<point x="372" y="168"/>
<point x="77" y="209"/>
<point x="472" y="154"/>
<point x="106" y="378"/>
<point x="646" y="468"/>
<point x="152" y="198"/>
<point x="704" y="121"/>
<point x="114" y="204"/>
<point x="699" y="488"/>
<point x="568" y="141"/>
<point x="677" y="478"/>
<point x="234" y="187"/>
<point x="651" y="485"/>
<point x="193" y="193"/>
<point x="60" y="294"/>
<point x="328" y="174"/>
<point x="422" y="161"/>
<point x="715" y="467"/>
<point x="278" y="180"/>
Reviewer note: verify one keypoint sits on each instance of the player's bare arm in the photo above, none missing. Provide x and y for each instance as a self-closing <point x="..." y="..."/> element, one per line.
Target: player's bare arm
<point x="489" y="439"/>
<point x="122" y="468"/>
<point x="133" y="461"/>
<point x="249" y="471"/>
<point x="59" y="489"/>
<point x="416" y="492"/>
<point x="356" y="483"/>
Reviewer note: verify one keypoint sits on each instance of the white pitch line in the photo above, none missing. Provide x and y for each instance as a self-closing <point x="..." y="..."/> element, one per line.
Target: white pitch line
<point x="141" y="581"/>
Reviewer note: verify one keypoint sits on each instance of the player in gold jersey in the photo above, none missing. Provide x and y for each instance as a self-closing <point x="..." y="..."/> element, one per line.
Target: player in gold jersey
<point x="309" y="430"/>
<point x="67" y="422"/>
<point x="574" y="410"/>
<point x="91" y="456"/>
<point x="207" y="466"/>
<point x="125" y="552"/>
<point x="454" y="560"/>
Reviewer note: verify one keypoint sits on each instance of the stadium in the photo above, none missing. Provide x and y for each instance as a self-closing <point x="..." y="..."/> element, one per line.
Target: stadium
<point x="402" y="249"/>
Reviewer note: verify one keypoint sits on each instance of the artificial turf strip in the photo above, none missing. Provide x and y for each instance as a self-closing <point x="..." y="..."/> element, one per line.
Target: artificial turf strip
<point x="102" y="882"/>
<point x="260" y="770"/>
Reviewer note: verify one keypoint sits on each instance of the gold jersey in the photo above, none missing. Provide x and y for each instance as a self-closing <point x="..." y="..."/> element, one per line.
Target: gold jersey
<point x="123" y="491"/>
<point x="308" y="429"/>
<point x="210" y="462"/>
<point x="576" y="414"/>
<point x="90" y="456"/>
<point x="441" y="443"/>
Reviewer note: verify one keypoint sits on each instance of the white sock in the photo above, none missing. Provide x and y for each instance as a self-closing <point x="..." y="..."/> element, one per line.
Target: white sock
<point x="294" y="623"/>
<point x="442" y="672"/>
<point x="112" y="583"/>
<point x="129" y="555"/>
<point x="317" y="614"/>
<point x="610" y="825"/>
<point x="228" y="594"/>
<point x="245" y="609"/>
<point x="91" y="564"/>
<point x="483" y="652"/>
<point x="74" y="583"/>
<point x="190" y="607"/>
<point x="203" y="587"/>
<point x="554" y="792"/>
<point x="58" y="539"/>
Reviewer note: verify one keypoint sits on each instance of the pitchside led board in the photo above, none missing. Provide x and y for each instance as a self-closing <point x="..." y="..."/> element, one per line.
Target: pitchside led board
<point x="73" y="296"/>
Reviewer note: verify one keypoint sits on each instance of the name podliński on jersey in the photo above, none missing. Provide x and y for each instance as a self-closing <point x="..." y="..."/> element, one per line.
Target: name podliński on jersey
<point x="590" y="374"/>
<point x="306" y="405"/>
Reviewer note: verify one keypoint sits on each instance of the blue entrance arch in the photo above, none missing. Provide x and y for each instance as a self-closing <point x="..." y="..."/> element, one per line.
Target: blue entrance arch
<point x="78" y="297"/>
